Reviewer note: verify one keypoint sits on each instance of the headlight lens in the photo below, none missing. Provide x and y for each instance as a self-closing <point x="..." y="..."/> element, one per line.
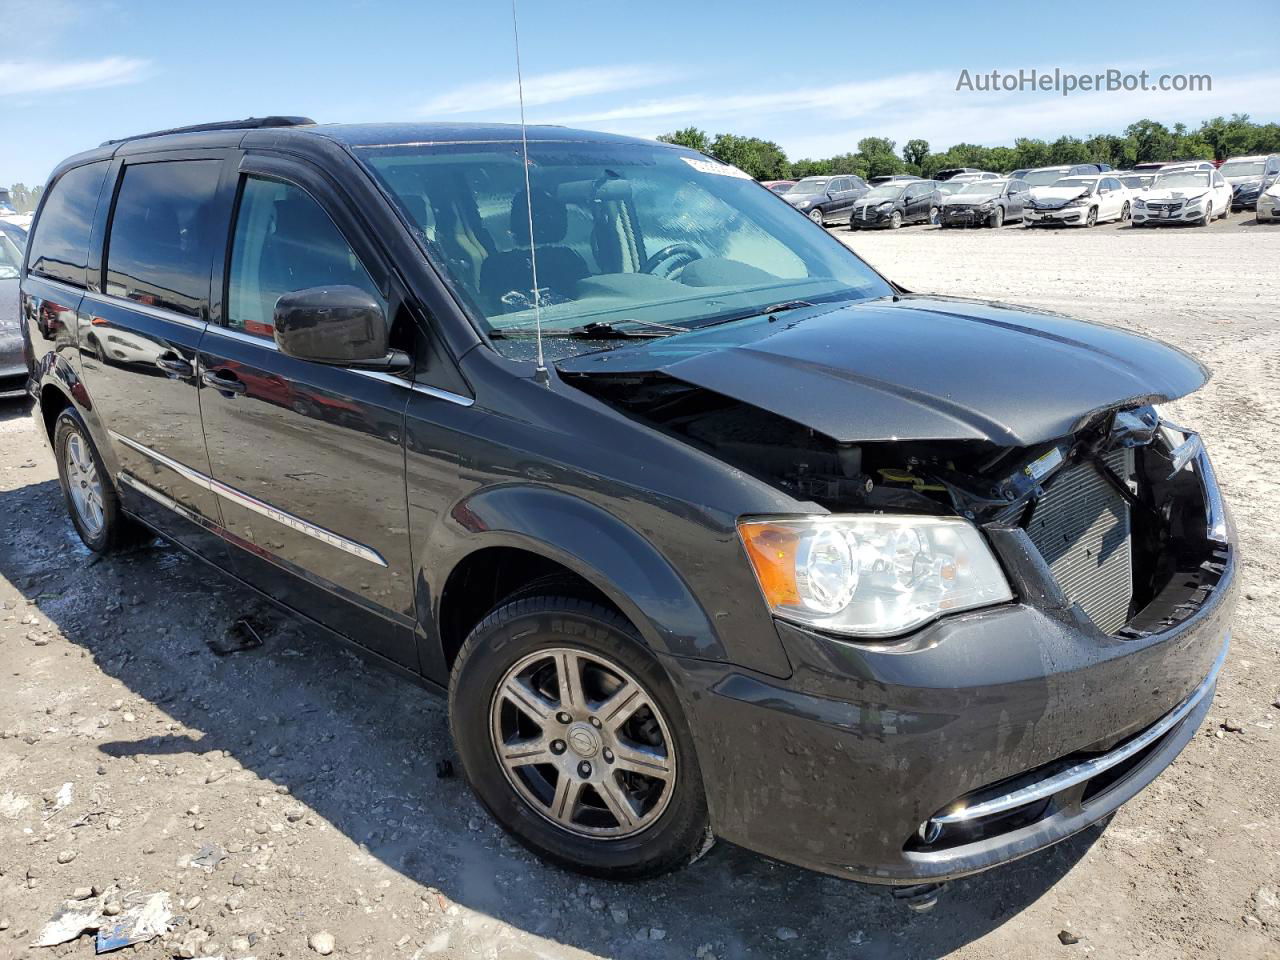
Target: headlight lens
<point x="1139" y="202"/>
<point x="801" y="204"/>
<point x="872" y="576"/>
<point x="885" y="205"/>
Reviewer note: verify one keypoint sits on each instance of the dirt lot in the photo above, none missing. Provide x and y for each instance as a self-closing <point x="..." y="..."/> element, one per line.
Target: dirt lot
<point x="317" y="778"/>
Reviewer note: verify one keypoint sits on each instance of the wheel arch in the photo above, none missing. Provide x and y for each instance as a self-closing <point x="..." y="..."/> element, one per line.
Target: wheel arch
<point x="518" y="534"/>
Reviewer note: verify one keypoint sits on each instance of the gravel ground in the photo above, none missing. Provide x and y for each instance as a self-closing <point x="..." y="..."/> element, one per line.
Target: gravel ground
<point x="317" y="778"/>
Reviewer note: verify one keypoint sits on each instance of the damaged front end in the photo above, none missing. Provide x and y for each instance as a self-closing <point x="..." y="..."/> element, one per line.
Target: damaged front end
<point x="1124" y="513"/>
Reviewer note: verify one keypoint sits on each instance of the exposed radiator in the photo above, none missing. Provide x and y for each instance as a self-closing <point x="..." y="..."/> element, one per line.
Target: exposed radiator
<point x="1081" y="528"/>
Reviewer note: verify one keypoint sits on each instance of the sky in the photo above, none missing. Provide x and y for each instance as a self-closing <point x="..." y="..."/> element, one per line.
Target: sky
<point x="76" y="72"/>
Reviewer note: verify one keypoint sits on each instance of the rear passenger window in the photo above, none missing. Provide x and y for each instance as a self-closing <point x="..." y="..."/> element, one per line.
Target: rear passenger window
<point x="160" y="249"/>
<point x="60" y="244"/>
<point x="284" y="241"/>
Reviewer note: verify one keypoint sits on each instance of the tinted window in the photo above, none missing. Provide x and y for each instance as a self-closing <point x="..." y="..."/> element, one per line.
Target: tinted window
<point x="160" y="249"/>
<point x="60" y="244"/>
<point x="284" y="242"/>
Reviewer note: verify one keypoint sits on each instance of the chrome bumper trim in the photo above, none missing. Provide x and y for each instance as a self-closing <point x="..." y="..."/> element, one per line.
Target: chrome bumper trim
<point x="1089" y="768"/>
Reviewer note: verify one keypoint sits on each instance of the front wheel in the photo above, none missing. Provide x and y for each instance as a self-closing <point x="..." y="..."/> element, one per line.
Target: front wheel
<point x="895" y="220"/>
<point x="571" y="734"/>
<point x="1208" y="215"/>
<point x="816" y="216"/>
<point x="934" y="215"/>
<point x="1092" y="218"/>
<point x="1125" y="212"/>
<point x="997" y="217"/>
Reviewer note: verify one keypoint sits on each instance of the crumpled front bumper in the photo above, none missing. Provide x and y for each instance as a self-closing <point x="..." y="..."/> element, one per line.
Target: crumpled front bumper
<point x="1071" y="216"/>
<point x="864" y="761"/>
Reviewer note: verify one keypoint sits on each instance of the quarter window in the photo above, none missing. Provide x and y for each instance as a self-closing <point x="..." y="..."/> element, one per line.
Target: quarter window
<point x="60" y="244"/>
<point x="160" y="249"/>
<point x="284" y="241"/>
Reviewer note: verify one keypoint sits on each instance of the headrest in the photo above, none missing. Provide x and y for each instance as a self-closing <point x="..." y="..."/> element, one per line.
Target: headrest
<point x="550" y="218"/>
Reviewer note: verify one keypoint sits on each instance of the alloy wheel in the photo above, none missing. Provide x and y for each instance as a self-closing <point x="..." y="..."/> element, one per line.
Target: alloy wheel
<point x="583" y="743"/>
<point x="84" y="485"/>
<point x="816" y="216"/>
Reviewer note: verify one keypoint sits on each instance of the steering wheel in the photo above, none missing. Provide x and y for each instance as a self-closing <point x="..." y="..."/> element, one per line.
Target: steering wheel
<point x="680" y="254"/>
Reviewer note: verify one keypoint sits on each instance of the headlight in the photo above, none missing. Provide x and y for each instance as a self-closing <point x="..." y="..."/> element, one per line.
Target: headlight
<point x="884" y="205"/>
<point x="871" y="576"/>
<point x="801" y="204"/>
<point x="1139" y="202"/>
<point x="1078" y="202"/>
<point x="1194" y="203"/>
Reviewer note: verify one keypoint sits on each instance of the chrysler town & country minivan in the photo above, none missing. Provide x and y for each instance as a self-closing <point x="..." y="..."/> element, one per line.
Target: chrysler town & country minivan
<point x="710" y="531"/>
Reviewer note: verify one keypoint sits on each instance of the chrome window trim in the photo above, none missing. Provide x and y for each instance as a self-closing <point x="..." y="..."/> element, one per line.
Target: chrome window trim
<point x="239" y="497"/>
<point x="422" y="388"/>
<point x="158" y="313"/>
<point x="1089" y="768"/>
<point x="57" y="284"/>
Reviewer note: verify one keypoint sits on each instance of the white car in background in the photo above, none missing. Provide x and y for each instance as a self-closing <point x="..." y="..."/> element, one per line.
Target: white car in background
<point x="1184" y="196"/>
<point x="1269" y="204"/>
<point x="971" y="177"/>
<point x="1079" y="201"/>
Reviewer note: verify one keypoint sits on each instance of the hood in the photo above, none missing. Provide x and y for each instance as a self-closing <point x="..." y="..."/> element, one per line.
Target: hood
<point x="918" y="368"/>
<point x="1249" y="178"/>
<point x="1171" y="193"/>
<point x="1057" y="196"/>
<point x="969" y="200"/>
<point x="795" y="198"/>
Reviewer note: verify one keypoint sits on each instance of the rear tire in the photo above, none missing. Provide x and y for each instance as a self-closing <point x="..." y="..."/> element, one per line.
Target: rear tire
<point x="92" y="500"/>
<point x="506" y="694"/>
<point x="1125" y="212"/>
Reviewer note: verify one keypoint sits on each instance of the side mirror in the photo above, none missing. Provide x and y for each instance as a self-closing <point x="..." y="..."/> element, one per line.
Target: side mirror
<point x="339" y="325"/>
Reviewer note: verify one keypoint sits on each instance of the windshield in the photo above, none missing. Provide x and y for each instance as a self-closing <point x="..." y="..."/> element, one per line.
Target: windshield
<point x="1077" y="183"/>
<point x="1042" y="178"/>
<point x="1187" y="178"/>
<point x="780" y="187"/>
<point x="808" y="188"/>
<point x="886" y="191"/>
<point x="948" y="187"/>
<point x="983" y="188"/>
<point x="1242" y="168"/>
<point x="654" y="237"/>
<point x="1137" y="182"/>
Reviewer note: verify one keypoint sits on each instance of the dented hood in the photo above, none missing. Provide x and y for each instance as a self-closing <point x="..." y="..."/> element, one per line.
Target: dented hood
<point x="918" y="368"/>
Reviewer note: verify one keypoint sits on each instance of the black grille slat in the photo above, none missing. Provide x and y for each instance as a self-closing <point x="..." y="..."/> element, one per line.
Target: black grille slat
<point x="1081" y="526"/>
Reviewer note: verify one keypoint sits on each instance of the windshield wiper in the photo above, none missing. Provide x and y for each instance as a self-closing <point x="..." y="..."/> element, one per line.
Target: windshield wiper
<point x="764" y="312"/>
<point x="596" y="330"/>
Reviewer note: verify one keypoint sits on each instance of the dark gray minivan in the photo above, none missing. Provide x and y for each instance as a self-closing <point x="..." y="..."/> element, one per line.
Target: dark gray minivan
<point x="704" y="527"/>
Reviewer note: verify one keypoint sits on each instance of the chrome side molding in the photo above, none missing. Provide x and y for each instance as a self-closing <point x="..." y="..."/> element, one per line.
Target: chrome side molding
<point x="233" y="495"/>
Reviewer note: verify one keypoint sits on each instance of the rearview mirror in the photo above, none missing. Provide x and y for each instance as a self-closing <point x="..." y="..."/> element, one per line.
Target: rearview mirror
<point x="340" y="325"/>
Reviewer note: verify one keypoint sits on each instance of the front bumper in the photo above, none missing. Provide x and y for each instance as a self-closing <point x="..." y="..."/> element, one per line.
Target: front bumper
<point x="1166" y="214"/>
<point x="1268" y="210"/>
<point x="980" y="739"/>
<point x="872" y="220"/>
<point x="1069" y="216"/>
<point x="1245" y="198"/>
<point x="964" y="217"/>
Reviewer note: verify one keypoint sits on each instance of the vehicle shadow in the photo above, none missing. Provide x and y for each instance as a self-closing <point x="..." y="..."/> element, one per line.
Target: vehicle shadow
<point x="360" y="748"/>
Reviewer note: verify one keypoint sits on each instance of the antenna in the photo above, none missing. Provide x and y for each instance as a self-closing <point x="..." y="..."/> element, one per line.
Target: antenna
<point x="540" y="372"/>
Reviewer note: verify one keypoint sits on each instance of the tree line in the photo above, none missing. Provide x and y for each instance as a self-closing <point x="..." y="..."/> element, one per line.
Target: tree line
<point x="24" y="198"/>
<point x="1141" y="142"/>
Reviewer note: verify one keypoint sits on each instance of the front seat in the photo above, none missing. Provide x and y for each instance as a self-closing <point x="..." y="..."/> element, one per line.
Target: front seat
<point x="510" y="271"/>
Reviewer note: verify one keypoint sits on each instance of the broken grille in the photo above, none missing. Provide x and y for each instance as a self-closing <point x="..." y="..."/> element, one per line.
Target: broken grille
<point x="1081" y="528"/>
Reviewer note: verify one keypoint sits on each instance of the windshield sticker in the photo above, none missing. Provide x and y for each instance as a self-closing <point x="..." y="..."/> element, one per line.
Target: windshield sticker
<point x="719" y="169"/>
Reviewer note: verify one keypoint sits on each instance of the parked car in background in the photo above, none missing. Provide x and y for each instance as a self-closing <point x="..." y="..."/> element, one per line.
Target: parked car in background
<point x="893" y="204"/>
<point x="13" y="368"/>
<point x="1079" y="201"/>
<point x="1184" y="196"/>
<point x="778" y="186"/>
<point x="1047" y="176"/>
<point x="984" y="203"/>
<point x="891" y="178"/>
<point x="1205" y="165"/>
<point x="1135" y="180"/>
<point x="6" y="202"/>
<point x="1250" y="177"/>
<point x="942" y="176"/>
<point x="976" y="175"/>
<point x="828" y="588"/>
<point x="826" y="199"/>
<point x="1268" y="207"/>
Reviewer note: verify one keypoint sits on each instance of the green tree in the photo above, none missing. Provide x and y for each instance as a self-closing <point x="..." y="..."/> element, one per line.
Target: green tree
<point x="763" y="159"/>
<point x="878" y="157"/>
<point x="1154" y="141"/>
<point x="916" y="152"/>
<point x="1032" y="153"/>
<point x="690" y="137"/>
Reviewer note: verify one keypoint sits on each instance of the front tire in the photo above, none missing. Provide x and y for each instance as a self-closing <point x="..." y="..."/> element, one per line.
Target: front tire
<point x="997" y="217"/>
<point x="91" y="498"/>
<point x="570" y="733"/>
<point x="816" y="216"/>
<point x="934" y="215"/>
<point x="1091" y="219"/>
<point x="895" y="220"/>
<point x="1208" y="215"/>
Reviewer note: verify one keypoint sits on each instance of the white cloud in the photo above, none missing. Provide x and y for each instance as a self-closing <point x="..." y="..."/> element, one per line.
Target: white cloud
<point x="18" y="77"/>
<point x="543" y="89"/>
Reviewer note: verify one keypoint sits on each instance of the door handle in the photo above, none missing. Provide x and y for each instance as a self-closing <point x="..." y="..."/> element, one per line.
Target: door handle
<point x="224" y="382"/>
<point x="170" y="362"/>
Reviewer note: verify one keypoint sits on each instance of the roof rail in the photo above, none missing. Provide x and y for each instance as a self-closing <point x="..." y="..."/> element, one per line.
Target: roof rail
<point x="249" y="123"/>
